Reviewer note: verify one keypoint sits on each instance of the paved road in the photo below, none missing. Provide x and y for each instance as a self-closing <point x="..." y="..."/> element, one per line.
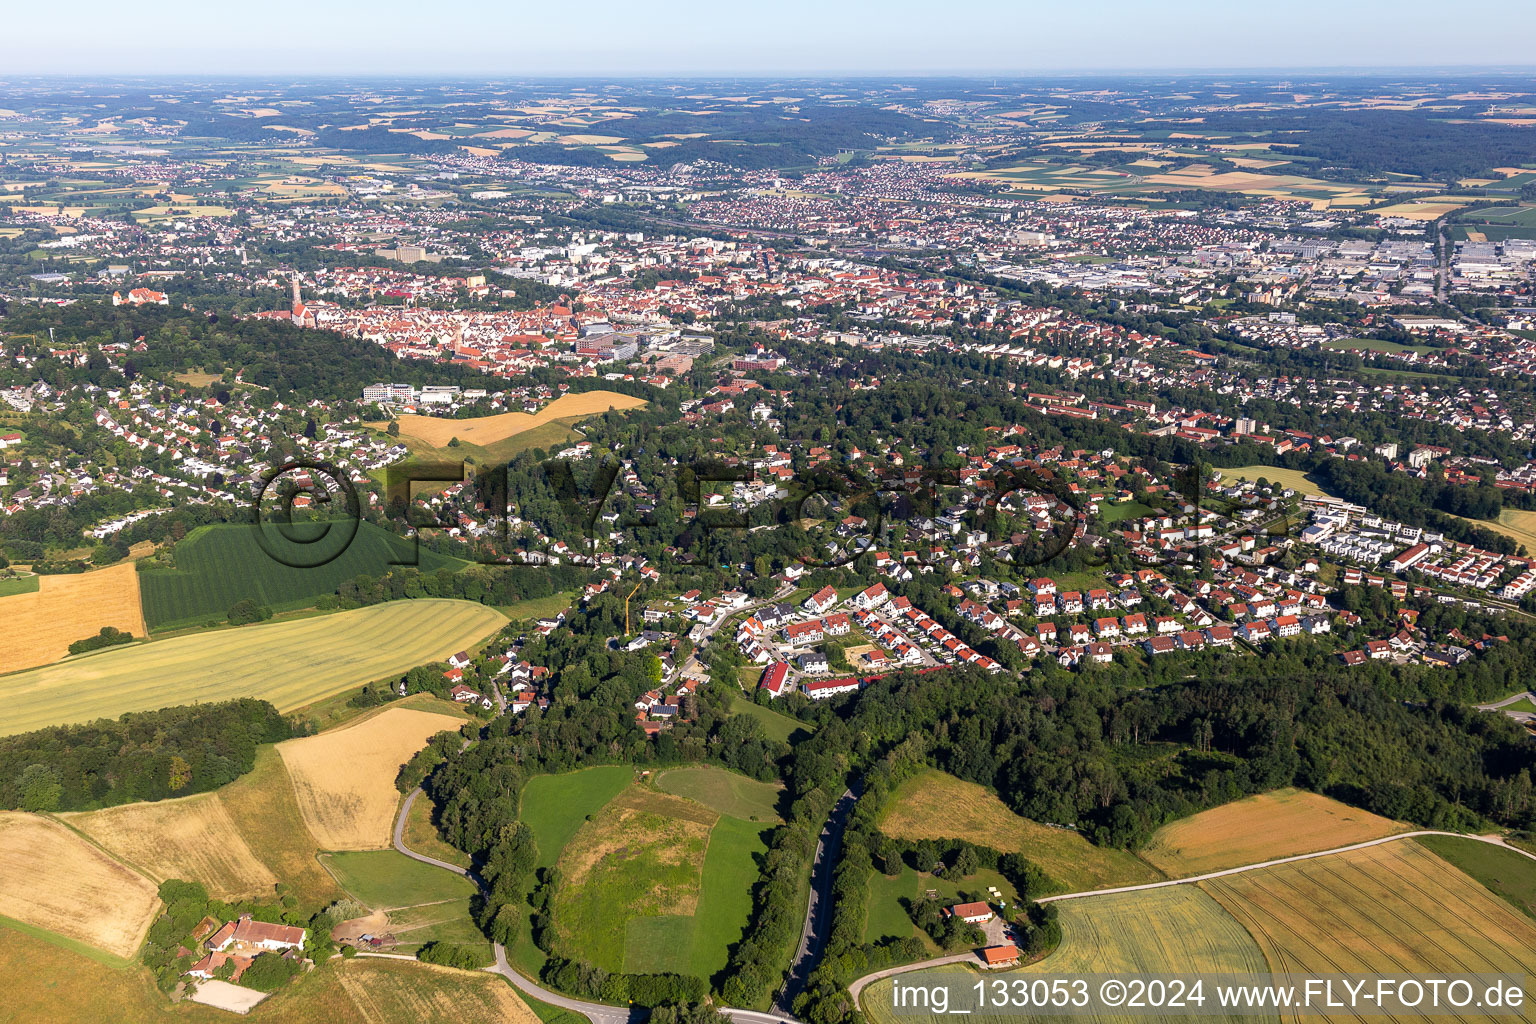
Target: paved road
<point x="1527" y="695"/>
<point x="860" y="984"/>
<point x="597" y="1013"/>
<point x="405" y="809"/>
<point x="1520" y="716"/>
<point x="813" y="934"/>
<point x="969" y="956"/>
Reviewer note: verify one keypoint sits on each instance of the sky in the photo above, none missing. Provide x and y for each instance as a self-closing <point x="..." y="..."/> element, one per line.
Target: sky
<point x="681" y="38"/>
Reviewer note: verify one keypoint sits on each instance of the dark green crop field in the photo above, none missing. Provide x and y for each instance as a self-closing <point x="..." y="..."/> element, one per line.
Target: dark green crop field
<point x="218" y="566"/>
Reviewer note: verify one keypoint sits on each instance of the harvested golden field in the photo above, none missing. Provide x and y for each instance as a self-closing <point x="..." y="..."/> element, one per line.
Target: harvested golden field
<point x="290" y="663"/>
<point x="56" y="880"/>
<point x="934" y="805"/>
<point x="483" y="430"/>
<point x="345" y="778"/>
<point x="192" y="838"/>
<point x="396" y="993"/>
<point x="1264" y="827"/>
<point x="40" y="626"/>
<point x="1161" y="931"/>
<point x="1419" y="211"/>
<point x="1389" y="909"/>
<point x="266" y="813"/>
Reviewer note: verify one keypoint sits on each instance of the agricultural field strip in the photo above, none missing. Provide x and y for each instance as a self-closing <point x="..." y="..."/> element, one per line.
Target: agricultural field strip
<point x="347" y="646"/>
<point x="1344" y="893"/>
<point x="438" y="431"/>
<point x="1278" y="861"/>
<point x="859" y="984"/>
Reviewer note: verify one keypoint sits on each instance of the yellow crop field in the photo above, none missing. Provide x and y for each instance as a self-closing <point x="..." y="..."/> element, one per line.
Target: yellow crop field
<point x="1161" y="931"/>
<point x="934" y="805"/>
<point x="483" y="430"/>
<point x="40" y="626"/>
<point x="193" y="838"/>
<point x="56" y="880"/>
<point x="1389" y="909"/>
<point x="1260" y="828"/>
<point x="288" y="663"/>
<point x="345" y="778"/>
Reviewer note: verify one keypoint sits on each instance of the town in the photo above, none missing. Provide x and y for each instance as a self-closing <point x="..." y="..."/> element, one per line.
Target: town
<point x="731" y="550"/>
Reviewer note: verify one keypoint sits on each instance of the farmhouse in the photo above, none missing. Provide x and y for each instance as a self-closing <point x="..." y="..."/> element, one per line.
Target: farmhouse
<point x="209" y="964"/>
<point x="468" y="695"/>
<point x="245" y="935"/>
<point x="996" y="957"/>
<point x="970" y="913"/>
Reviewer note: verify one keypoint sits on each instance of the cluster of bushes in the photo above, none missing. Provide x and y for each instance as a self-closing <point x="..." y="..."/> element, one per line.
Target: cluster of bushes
<point x="71" y="567"/>
<point x="110" y="636"/>
<point x="583" y="979"/>
<point x="248" y="611"/>
<point x="373" y="695"/>
<point x="114" y="550"/>
<point x="415" y="771"/>
<point x="452" y="954"/>
<point x="145" y="755"/>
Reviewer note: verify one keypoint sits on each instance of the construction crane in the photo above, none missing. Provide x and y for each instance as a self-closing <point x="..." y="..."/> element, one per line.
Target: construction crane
<point x="626" y="609"/>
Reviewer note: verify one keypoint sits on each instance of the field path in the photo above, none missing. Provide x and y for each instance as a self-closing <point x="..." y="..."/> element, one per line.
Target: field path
<point x="597" y="1013"/>
<point x="858" y="985"/>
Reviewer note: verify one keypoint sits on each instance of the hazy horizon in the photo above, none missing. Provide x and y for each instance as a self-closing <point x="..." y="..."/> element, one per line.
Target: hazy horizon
<point x="795" y="38"/>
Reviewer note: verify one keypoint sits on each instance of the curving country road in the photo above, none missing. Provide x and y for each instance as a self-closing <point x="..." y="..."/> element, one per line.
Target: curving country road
<point x="597" y="1013"/>
<point x="858" y="986"/>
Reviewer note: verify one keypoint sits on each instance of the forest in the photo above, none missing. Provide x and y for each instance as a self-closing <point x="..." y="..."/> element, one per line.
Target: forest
<point x="1350" y="143"/>
<point x="148" y="755"/>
